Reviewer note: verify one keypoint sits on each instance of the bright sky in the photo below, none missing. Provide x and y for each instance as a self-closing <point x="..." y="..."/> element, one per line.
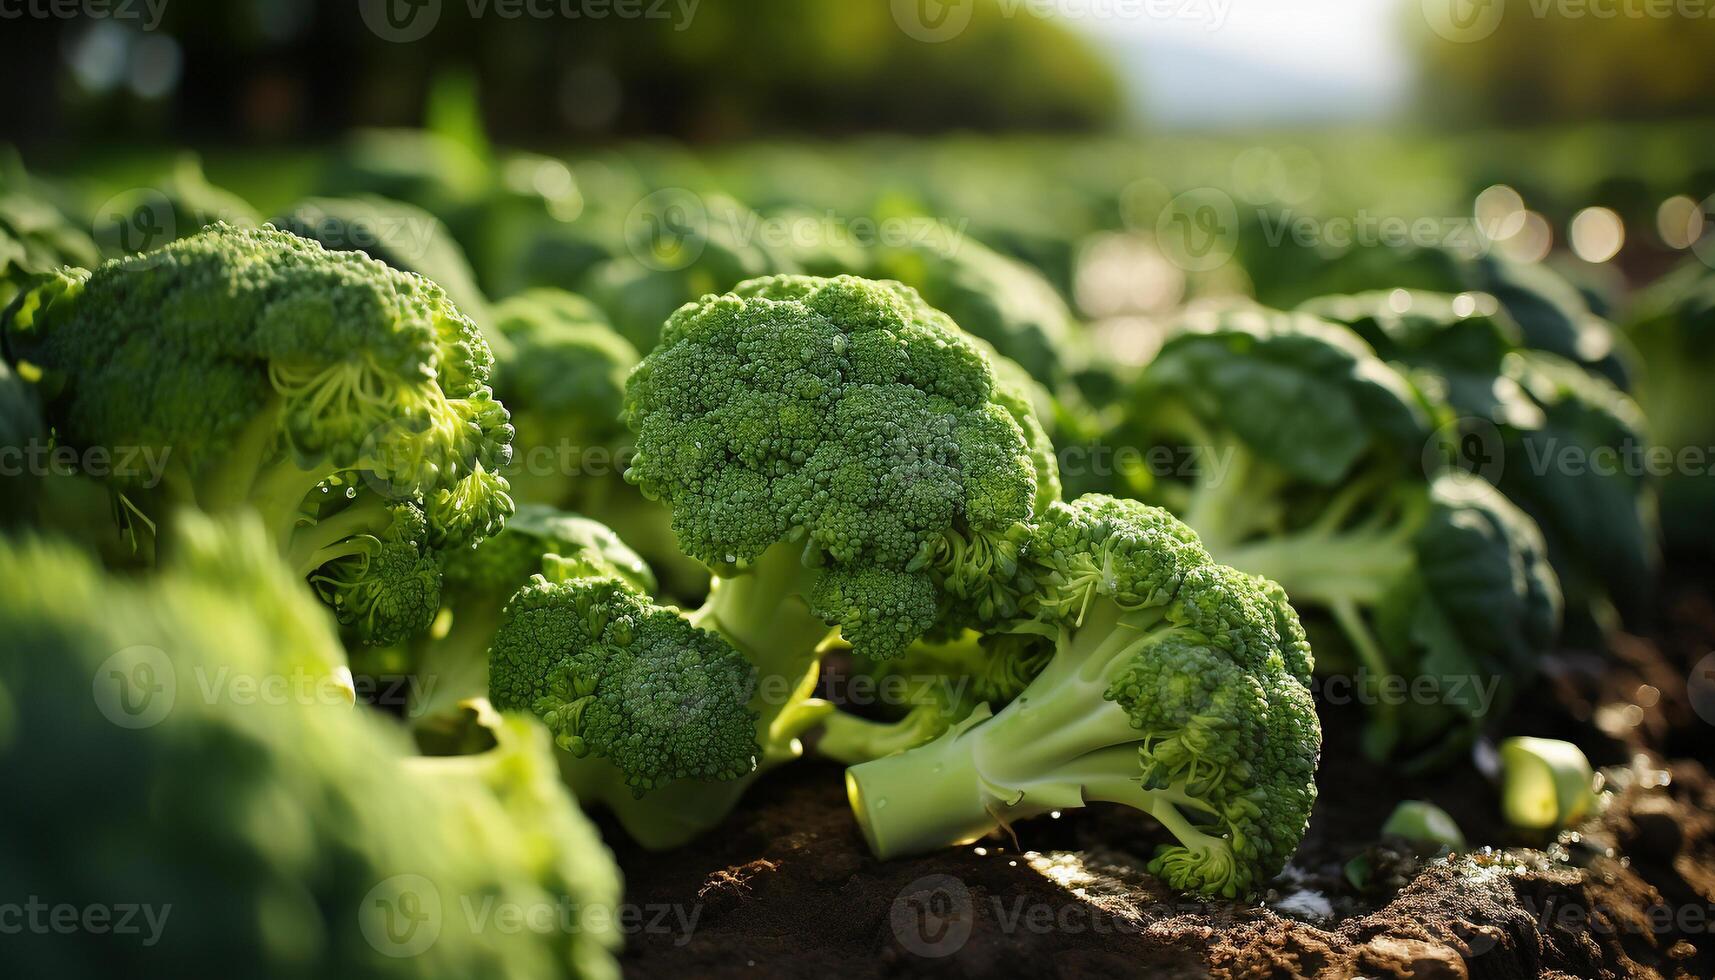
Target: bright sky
<point x="1234" y="62"/>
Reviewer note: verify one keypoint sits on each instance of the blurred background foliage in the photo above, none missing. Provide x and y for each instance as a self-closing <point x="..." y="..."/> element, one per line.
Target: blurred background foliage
<point x="295" y="70"/>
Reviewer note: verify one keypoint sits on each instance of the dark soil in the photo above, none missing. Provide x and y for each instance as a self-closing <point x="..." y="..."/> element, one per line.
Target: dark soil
<point x="788" y="889"/>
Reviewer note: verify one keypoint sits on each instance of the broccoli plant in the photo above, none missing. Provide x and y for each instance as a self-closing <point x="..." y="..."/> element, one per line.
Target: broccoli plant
<point x="450" y="661"/>
<point x="842" y="457"/>
<point x="1176" y="686"/>
<point x="1537" y="425"/>
<point x="233" y="805"/>
<point x="345" y="402"/>
<point x="1308" y="466"/>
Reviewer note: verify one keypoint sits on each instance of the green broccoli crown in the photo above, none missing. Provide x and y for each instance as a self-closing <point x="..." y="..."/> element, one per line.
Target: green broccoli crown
<point x="341" y="360"/>
<point x="1177" y="686"/>
<point x="1219" y="695"/>
<point x="842" y="413"/>
<point x="1105" y="547"/>
<point x="385" y="586"/>
<point x="615" y="676"/>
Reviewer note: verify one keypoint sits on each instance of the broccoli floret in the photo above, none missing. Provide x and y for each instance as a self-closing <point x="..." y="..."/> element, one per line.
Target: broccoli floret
<point x="848" y="443"/>
<point x="345" y="402"/>
<point x="1177" y="686"/>
<point x="236" y="815"/>
<point x="1312" y="469"/>
<point x="384" y="586"/>
<point x="566" y="375"/>
<point x="450" y="662"/>
<point x="617" y="677"/>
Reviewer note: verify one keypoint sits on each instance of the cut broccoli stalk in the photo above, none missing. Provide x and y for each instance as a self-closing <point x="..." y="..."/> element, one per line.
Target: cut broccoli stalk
<point x="1063" y="743"/>
<point x="1177" y="687"/>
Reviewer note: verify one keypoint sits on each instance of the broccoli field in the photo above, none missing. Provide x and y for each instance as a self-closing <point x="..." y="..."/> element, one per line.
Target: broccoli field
<point x="825" y="493"/>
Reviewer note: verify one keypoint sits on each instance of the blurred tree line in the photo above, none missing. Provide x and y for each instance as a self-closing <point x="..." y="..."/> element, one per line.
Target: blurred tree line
<point x="291" y="70"/>
<point x="1531" y="61"/>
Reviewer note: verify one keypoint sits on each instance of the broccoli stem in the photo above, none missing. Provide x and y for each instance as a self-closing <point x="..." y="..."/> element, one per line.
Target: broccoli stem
<point x="762" y="611"/>
<point x="1335" y="559"/>
<point x="1324" y="569"/>
<point x="850" y="740"/>
<point x="315" y="543"/>
<point x="1060" y="744"/>
<point x="1236" y="497"/>
<point x="453" y="667"/>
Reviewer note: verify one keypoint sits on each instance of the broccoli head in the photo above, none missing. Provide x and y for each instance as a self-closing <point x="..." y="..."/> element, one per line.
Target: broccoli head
<point x="615" y="676"/>
<point x="1176" y="686"/>
<point x="321" y="389"/>
<point x="842" y="429"/>
<point x="449" y="663"/>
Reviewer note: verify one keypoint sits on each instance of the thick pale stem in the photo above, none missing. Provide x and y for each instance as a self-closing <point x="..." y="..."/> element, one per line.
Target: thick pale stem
<point x="762" y="611"/>
<point x="1060" y="744"/>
